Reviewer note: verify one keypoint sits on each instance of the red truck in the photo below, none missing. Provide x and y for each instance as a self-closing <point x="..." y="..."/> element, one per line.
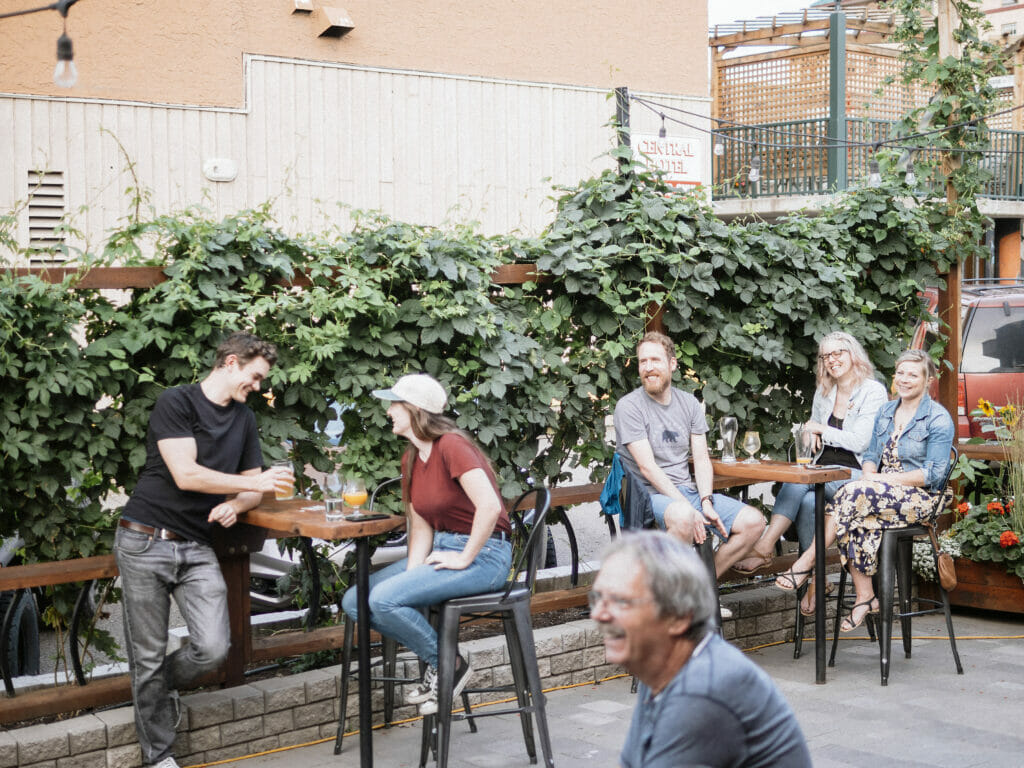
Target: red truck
<point x="992" y="354"/>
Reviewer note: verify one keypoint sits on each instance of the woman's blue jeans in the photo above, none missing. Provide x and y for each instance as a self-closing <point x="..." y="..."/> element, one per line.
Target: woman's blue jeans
<point x="795" y="501"/>
<point x="399" y="597"/>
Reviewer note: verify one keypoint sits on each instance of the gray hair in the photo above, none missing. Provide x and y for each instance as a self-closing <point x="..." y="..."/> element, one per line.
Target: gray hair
<point x="920" y="357"/>
<point x="677" y="578"/>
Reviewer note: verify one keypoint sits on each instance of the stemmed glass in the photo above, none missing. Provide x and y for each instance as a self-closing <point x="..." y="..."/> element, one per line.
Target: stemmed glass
<point x="333" y="486"/>
<point x="355" y="495"/>
<point x="751" y="444"/>
<point x="727" y="428"/>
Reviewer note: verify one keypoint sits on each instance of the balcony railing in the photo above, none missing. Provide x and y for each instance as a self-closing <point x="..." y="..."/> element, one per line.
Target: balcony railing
<point x="794" y="159"/>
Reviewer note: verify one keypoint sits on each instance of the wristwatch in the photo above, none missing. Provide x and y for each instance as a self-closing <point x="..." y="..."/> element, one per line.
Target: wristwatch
<point x="706" y="498"/>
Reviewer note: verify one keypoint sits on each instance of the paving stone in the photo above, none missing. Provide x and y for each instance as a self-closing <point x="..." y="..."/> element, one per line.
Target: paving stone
<point x="314" y="714"/>
<point x="210" y="708"/>
<point x="96" y="759"/>
<point x="204" y="739"/>
<point x="8" y="750"/>
<point x="241" y="730"/>
<point x="38" y="743"/>
<point x="321" y="684"/>
<point x="126" y="756"/>
<point x="227" y="753"/>
<point x="281" y="693"/>
<point x="119" y="723"/>
<point x="247" y="701"/>
<point x="278" y="722"/>
<point x="567" y="662"/>
<point x="86" y="734"/>
<point x="300" y="736"/>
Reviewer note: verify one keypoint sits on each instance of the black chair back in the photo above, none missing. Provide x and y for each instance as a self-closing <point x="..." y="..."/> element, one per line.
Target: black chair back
<point x="526" y="537"/>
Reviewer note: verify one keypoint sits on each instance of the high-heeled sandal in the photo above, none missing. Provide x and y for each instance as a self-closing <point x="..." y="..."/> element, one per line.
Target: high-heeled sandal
<point x="791" y="578"/>
<point x="849" y="623"/>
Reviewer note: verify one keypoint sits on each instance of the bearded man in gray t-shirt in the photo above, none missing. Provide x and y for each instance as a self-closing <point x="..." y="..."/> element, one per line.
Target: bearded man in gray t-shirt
<point x="657" y="429"/>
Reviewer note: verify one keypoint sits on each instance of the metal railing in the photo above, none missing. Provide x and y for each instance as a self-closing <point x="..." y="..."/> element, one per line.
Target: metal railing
<point x="794" y="159"/>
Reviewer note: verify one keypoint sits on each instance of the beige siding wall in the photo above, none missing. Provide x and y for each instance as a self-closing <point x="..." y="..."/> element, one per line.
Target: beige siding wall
<point x="421" y="147"/>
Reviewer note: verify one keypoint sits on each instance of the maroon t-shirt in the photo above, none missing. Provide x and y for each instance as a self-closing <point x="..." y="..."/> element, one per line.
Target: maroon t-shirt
<point x="435" y="492"/>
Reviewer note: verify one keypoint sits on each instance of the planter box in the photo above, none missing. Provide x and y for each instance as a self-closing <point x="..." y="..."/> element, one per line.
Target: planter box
<point x="982" y="585"/>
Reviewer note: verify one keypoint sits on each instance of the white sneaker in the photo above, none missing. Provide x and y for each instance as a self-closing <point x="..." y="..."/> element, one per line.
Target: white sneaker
<point x="463" y="671"/>
<point x="425" y="690"/>
<point x="724" y="612"/>
<point x="167" y="762"/>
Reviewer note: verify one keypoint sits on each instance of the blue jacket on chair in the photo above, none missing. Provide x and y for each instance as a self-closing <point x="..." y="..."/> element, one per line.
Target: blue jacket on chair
<point x="621" y="484"/>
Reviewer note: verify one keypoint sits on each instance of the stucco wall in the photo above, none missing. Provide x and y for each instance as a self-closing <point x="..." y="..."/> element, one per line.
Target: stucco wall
<point x="191" y="51"/>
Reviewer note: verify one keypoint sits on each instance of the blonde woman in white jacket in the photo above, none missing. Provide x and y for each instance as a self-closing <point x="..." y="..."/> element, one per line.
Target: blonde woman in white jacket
<point x="846" y="401"/>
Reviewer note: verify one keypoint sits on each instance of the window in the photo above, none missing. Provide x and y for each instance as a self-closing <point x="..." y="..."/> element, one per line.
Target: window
<point x="994" y="341"/>
<point x="46" y="210"/>
<point x="1009" y="29"/>
<point x="1009" y="2"/>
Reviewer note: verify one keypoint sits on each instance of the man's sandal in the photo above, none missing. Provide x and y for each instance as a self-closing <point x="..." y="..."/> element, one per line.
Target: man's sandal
<point x="790" y="581"/>
<point x="850" y="623"/>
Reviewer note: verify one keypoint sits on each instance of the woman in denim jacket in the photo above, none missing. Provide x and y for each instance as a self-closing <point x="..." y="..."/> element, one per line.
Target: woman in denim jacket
<point x="846" y="400"/>
<point x="901" y="471"/>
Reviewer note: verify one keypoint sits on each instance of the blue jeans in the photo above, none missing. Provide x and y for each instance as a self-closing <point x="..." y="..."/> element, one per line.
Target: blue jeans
<point x="795" y="501"/>
<point x="153" y="570"/>
<point x="398" y="596"/>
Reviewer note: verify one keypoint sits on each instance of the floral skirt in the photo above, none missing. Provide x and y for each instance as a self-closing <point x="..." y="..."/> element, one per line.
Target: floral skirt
<point x="863" y="509"/>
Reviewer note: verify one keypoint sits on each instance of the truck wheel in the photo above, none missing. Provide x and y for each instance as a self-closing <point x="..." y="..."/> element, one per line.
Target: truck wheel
<point x="23" y="635"/>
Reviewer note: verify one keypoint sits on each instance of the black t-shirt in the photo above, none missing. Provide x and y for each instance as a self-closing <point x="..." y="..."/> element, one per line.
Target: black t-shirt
<point x="226" y="441"/>
<point x="831" y="454"/>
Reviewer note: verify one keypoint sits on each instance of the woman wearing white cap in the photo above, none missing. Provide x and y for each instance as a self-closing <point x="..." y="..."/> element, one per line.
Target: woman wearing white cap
<point x="459" y="533"/>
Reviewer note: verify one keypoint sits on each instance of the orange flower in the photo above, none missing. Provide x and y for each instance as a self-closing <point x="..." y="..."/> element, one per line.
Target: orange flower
<point x="1009" y="506"/>
<point x="1008" y="539"/>
<point x="996" y="508"/>
<point x="963" y="507"/>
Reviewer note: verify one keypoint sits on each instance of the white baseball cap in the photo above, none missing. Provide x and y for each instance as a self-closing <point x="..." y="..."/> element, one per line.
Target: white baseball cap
<point x="417" y="389"/>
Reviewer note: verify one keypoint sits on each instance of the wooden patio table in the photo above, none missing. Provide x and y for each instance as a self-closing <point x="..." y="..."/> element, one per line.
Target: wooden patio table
<point x="771" y="471"/>
<point x="302" y="517"/>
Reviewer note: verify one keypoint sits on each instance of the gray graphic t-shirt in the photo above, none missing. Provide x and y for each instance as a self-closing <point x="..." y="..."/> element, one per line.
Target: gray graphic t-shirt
<point x="666" y="427"/>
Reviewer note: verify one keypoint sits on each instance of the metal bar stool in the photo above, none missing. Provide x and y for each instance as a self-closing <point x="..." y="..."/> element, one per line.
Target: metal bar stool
<point x="895" y="558"/>
<point x="512" y="606"/>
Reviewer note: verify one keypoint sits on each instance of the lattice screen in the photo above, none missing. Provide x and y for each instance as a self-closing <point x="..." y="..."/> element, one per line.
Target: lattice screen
<point x="769" y="88"/>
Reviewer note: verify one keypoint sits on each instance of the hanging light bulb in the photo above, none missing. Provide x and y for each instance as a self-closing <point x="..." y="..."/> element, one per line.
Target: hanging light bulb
<point x="874" y="176"/>
<point x="65" y="74"/>
<point x="661" y="131"/>
<point x="719" y="147"/>
<point x="911" y="178"/>
<point x="755" y="168"/>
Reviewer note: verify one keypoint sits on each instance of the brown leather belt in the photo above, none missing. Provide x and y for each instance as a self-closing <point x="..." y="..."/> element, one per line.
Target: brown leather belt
<point x="156" y="533"/>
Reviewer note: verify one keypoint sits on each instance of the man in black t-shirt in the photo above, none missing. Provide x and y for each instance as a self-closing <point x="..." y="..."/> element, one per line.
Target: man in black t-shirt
<point x="203" y="468"/>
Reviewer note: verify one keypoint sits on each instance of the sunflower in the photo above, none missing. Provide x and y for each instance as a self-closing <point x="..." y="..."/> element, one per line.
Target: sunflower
<point x="986" y="407"/>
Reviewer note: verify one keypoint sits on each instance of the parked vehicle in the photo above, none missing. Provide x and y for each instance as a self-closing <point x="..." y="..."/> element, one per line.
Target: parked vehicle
<point x="19" y="641"/>
<point x="992" y="352"/>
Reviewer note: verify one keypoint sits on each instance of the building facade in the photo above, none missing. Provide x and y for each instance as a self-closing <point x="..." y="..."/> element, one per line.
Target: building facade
<point x="431" y="112"/>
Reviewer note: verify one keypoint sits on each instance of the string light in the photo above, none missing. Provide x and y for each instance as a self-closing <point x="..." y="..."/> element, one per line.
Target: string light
<point x="819" y="141"/>
<point x="719" y="147"/>
<point x="874" y="176"/>
<point x="661" y="131"/>
<point x="65" y="74"/>
<point x="911" y="178"/>
<point x="755" y="168"/>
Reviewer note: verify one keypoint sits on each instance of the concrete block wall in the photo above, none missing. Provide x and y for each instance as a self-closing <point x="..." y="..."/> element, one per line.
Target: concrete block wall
<point x="302" y="708"/>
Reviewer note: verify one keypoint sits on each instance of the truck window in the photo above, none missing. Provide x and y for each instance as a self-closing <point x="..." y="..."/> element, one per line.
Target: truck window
<point x="994" y="341"/>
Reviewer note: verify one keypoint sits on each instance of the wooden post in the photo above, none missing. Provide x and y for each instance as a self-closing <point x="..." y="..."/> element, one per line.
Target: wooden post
<point x="949" y="299"/>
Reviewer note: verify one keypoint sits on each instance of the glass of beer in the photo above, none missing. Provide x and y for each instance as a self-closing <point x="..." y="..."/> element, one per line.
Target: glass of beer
<point x="354" y="494"/>
<point x="285" y="489"/>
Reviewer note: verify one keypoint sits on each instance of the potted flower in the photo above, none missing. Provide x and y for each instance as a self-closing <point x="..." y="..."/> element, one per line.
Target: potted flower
<point x="987" y="535"/>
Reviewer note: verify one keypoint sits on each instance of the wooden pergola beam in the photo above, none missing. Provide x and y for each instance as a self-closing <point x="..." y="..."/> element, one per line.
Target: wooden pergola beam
<point x="777" y="34"/>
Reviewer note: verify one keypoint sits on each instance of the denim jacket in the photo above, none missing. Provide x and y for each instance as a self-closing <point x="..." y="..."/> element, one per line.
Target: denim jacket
<point x="855" y="435"/>
<point x="925" y="443"/>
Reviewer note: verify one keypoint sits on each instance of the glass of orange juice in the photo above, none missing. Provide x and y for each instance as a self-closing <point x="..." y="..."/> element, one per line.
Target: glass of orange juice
<point x="354" y="494"/>
<point x="285" y="489"/>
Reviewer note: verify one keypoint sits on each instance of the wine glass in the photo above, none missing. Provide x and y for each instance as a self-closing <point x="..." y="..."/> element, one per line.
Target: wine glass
<point x="354" y="495"/>
<point x="727" y="428"/>
<point x="333" y="486"/>
<point x="751" y="444"/>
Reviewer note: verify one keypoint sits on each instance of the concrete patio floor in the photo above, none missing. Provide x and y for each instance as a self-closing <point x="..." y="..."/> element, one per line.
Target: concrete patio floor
<point x="927" y="715"/>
